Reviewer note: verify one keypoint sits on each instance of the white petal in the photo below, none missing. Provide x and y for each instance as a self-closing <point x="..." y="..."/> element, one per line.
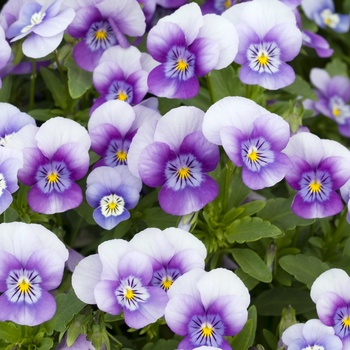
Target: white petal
<point x="292" y="333"/>
<point x="320" y="79"/>
<point x="24" y="138"/>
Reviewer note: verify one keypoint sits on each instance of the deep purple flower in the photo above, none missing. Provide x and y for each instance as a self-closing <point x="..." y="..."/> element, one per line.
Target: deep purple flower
<point x="252" y="137"/>
<point x="55" y="156"/>
<point x="330" y="292"/>
<point x="311" y="335"/>
<point x="43" y="24"/>
<point x="32" y="262"/>
<point x="268" y="38"/>
<point x="103" y="24"/>
<point x="177" y="157"/>
<point x="322" y="12"/>
<point x="117" y="280"/>
<point x="174" y="252"/>
<point x="186" y="48"/>
<point x="320" y="168"/>
<point x="204" y="307"/>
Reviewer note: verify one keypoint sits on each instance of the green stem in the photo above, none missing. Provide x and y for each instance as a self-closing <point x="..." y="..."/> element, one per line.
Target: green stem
<point x="32" y="86"/>
<point x="229" y="171"/>
<point x="210" y="88"/>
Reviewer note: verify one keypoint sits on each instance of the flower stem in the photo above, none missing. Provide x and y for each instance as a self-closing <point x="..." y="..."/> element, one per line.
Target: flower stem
<point x="32" y="86"/>
<point x="210" y="88"/>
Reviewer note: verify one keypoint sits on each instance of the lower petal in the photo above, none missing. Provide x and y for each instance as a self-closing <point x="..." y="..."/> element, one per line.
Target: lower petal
<point x="105" y="297"/>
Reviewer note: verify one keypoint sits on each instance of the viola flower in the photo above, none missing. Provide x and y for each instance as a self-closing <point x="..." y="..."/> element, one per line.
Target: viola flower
<point x="5" y="52"/>
<point x="318" y="43"/>
<point x="322" y="13"/>
<point x="112" y="191"/>
<point x="103" y="24"/>
<point x="320" y="168"/>
<point x="55" y="156"/>
<point x="330" y="294"/>
<point x="112" y="127"/>
<point x="11" y="121"/>
<point x="268" y="38"/>
<point x="204" y="307"/>
<point x="43" y="25"/>
<point x="117" y="280"/>
<point x="32" y="264"/>
<point x="174" y="251"/>
<point x="311" y="335"/>
<point x="177" y="158"/>
<point x="333" y="98"/>
<point x="216" y="6"/>
<point x="186" y="48"/>
<point x="120" y="75"/>
<point x="252" y="137"/>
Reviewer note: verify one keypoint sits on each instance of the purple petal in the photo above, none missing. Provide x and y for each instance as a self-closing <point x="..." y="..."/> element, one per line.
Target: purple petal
<point x="111" y="221"/>
<point x="95" y="192"/>
<point x="338" y="168"/>
<point x="83" y="19"/>
<point x="327" y="305"/>
<point x="232" y="138"/>
<point x="207" y="54"/>
<point x="5" y="200"/>
<point x="86" y="58"/>
<point x="101" y="136"/>
<point x="186" y="260"/>
<point x="8" y="262"/>
<point x="339" y="86"/>
<point x="105" y="297"/>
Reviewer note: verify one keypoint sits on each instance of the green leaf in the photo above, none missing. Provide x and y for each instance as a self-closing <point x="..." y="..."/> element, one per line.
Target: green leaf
<point x="162" y="344"/>
<point x="46" y="344"/>
<point x="253" y="316"/>
<point x="10" y="332"/>
<point x="251" y="263"/>
<point x="249" y="281"/>
<point x="252" y="208"/>
<point x="270" y="338"/>
<point x="242" y="339"/>
<point x="6" y="89"/>
<point x="279" y="212"/>
<point x="300" y="87"/>
<point x="41" y="114"/>
<point x="271" y="302"/>
<point x="304" y="268"/>
<point x="337" y="67"/>
<point x="79" y="80"/>
<point x="155" y="217"/>
<point x="251" y="229"/>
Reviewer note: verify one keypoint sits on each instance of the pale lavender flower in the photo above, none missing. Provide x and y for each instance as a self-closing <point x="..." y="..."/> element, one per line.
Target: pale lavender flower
<point x="330" y="292"/>
<point x="117" y="280"/>
<point x="252" y="137"/>
<point x="204" y="307"/>
<point x="312" y="335"/>
<point x="318" y="43"/>
<point x="101" y="25"/>
<point x="42" y="24"/>
<point x="323" y="13"/>
<point x="268" y="38"/>
<point x="186" y="48"/>
<point x="320" y="168"/>
<point x="32" y="264"/>
<point x="174" y="252"/>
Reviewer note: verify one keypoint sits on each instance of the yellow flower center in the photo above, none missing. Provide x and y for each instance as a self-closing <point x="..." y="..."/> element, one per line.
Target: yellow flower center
<point x="346" y="321"/>
<point x="183" y="173"/>
<point x="24" y="285"/>
<point x="121" y="156"/>
<point x="112" y="205"/>
<point x="263" y="59"/>
<point x="167" y="283"/>
<point x="52" y="177"/>
<point x="253" y="154"/>
<point x="181" y="65"/>
<point x="101" y="34"/>
<point x="227" y="3"/>
<point x="315" y="186"/>
<point x="207" y="330"/>
<point x="129" y="294"/>
<point x="122" y="96"/>
<point x="336" y="111"/>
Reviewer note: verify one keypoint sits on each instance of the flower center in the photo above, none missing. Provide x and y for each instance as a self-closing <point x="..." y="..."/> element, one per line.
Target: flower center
<point x="24" y="285"/>
<point x="117" y="152"/>
<point x="4" y="140"/>
<point x="100" y="36"/>
<point x="340" y="111"/>
<point x="342" y="322"/>
<point x="36" y="19"/>
<point x="112" y="205"/>
<point x="207" y="330"/>
<point x="120" y="90"/>
<point x="167" y="282"/>
<point x="313" y="347"/>
<point x="165" y="277"/>
<point x="179" y="64"/>
<point x="183" y="173"/>
<point x="315" y="186"/>
<point x="253" y="154"/>
<point x="256" y="153"/>
<point x="330" y="19"/>
<point x="52" y="177"/>
<point x="122" y="156"/>
<point x="222" y="5"/>
<point x="264" y="57"/>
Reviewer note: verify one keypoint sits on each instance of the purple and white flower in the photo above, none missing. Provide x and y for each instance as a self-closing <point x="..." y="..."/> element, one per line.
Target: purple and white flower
<point x="117" y="279"/>
<point x="42" y="24"/>
<point x="312" y="335"/>
<point x="112" y="192"/>
<point x="112" y="127"/>
<point x="320" y="168"/>
<point x="32" y="263"/>
<point x="330" y="292"/>
<point x="174" y="251"/>
<point x="101" y="25"/>
<point x="177" y="156"/>
<point x="268" y="38"/>
<point x="204" y="307"/>
<point x="55" y="156"/>
<point x="217" y="6"/>
<point x="323" y="13"/>
<point x="252" y="137"/>
<point x="186" y="48"/>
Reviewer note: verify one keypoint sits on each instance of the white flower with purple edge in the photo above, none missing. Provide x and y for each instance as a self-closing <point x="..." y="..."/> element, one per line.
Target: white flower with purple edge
<point x="176" y="156"/>
<point x="312" y="335"/>
<point x="117" y="279"/>
<point x="320" y="168"/>
<point x="204" y="307"/>
<point x="55" y="156"/>
<point x="43" y="23"/>
<point x="268" y="38"/>
<point x="186" y="47"/>
<point x="112" y="192"/>
<point x="174" y="251"/>
<point x="32" y="261"/>
<point x="112" y="127"/>
<point x="252" y="137"/>
<point x="330" y="293"/>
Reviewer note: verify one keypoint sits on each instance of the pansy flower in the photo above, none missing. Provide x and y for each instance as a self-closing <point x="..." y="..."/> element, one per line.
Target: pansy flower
<point x="55" y="156"/>
<point x="186" y="48"/>
<point x="112" y="192"/>
<point x="5" y="52"/>
<point x="268" y="38"/>
<point x="177" y="158"/>
<point x="174" y="252"/>
<point x="117" y="279"/>
<point x="32" y="263"/>
<point x="320" y="168"/>
<point x="252" y="137"/>
<point x="204" y="307"/>
<point x="101" y="25"/>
